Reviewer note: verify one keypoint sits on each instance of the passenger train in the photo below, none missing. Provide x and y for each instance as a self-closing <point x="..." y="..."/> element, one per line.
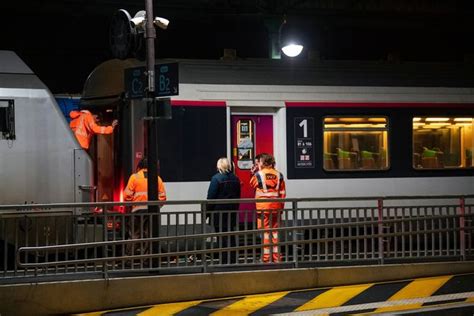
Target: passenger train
<point x="336" y="129"/>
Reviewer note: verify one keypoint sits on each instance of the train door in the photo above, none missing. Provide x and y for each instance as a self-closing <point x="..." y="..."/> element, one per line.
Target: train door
<point x="251" y="135"/>
<point x="104" y="153"/>
<point x="105" y="168"/>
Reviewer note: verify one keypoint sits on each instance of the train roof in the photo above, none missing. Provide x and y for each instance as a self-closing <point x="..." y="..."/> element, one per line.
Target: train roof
<point x="106" y="81"/>
<point x="10" y="63"/>
<point x="14" y="73"/>
<point x="327" y="73"/>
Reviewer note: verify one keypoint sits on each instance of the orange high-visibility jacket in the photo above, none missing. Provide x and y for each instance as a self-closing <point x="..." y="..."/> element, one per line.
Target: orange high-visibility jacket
<point x="83" y="125"/>
<point x="137" y="189"/>
<point x="268" y="184"/>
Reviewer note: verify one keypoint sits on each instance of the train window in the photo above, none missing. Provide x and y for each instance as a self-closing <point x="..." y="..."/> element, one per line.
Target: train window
<point x="7" y="120"/>
<point x="355" y="143"/>
<point x="443" y="142"/>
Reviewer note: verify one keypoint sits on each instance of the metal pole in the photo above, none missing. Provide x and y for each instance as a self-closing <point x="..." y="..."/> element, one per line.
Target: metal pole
<point x="462" y="226"/>
<point x="294" y="206"/>
<point x="203" y="241"/>
<point x="380" y="230"/>
<point x="150" y="35"/>
<point x="152" y="130"/>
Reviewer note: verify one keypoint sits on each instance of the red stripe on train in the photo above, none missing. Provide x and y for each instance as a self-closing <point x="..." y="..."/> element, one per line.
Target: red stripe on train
<point x="379" y="105"/>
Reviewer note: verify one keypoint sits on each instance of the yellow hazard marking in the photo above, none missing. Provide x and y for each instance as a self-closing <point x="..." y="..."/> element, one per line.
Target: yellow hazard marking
<point x="249" y="304"/>
<point x="168" y="309"/>
<point x="334" y="297"/>
<point x="418" y="288"/>
<point x="470" y="299"/>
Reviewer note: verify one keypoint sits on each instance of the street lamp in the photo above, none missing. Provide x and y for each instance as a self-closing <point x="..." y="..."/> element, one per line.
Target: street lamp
<point x="292" y="50"/>
<point x="289" y="43"/>
<point x="140" y="17"/>
<point x="125" y="39"/>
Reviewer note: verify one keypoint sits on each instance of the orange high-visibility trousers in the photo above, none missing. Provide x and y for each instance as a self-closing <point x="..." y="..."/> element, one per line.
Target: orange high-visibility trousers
<point x="268" y="220"/>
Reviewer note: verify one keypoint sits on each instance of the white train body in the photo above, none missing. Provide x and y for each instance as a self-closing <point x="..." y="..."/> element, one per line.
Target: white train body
<point x="40" y="159"/>
<point x="271" y="100"/>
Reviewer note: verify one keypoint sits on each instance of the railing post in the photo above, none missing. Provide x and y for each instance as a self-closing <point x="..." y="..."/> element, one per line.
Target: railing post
<point x="104" y="250"/>
<point x="203" y="230"/>
<point x="380" y="230"/>
<point x="294" y="206"/>
<point x="462" y="226"/>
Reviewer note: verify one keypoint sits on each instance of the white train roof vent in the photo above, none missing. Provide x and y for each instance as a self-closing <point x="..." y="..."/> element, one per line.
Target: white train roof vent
<point x="12" y="64"/>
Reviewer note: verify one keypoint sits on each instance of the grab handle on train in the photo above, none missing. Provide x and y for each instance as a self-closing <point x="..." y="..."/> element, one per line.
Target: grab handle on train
<point x="87" y="187"/>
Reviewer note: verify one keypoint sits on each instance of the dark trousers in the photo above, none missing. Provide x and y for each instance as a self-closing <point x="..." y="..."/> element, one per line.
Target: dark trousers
<point x="225" y="222"/>
<point x="140" y="225"/>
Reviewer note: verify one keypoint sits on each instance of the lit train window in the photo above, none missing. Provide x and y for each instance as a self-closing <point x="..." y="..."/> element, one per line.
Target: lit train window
<point x="443" y="142"/>
<point x="355" y="143"/>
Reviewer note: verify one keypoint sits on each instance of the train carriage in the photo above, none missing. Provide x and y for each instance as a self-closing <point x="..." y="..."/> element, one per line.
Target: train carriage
<point x="335" y="128"/>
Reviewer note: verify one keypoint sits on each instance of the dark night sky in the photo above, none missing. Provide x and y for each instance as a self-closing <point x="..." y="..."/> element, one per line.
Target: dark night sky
<point x="62" y="41"/>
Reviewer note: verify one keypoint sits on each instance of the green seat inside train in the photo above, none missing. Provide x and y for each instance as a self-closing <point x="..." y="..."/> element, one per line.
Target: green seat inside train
<point x="429" y="153"/>
<point x="343" y="154"/>
<point x="366" y="154"/>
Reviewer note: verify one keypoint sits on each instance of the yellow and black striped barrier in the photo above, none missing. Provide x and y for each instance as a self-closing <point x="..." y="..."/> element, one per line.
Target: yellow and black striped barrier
<point x="352" y="299"/>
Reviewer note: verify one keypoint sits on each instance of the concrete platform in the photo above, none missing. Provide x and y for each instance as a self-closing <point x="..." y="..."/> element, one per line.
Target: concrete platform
<point x="89" y="295"/>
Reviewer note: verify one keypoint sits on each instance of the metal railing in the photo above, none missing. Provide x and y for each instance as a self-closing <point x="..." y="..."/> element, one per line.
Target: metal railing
<point x="74" y="240"/>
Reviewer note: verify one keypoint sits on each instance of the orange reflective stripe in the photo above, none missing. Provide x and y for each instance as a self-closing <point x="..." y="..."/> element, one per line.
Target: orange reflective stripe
<point x="262" y="177"/>
<point x="269" y="188"/>
<point x="80" y="130"/>
<point x="137" y="208"/>
<point x="259" y="194"/>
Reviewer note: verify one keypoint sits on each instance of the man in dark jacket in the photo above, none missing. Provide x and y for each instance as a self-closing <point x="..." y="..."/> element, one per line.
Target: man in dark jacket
<point x="224" y="185"/>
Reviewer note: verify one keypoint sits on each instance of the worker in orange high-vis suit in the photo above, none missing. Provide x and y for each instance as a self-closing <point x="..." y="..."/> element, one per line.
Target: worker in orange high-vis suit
<point x="137" y="187"/>
<point x="84" y="126"/>
<point x="137" y="191"/>
<point x="269" y="184"/>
